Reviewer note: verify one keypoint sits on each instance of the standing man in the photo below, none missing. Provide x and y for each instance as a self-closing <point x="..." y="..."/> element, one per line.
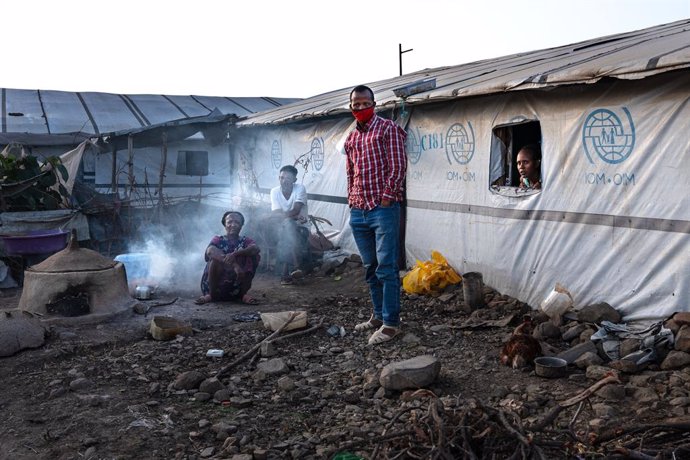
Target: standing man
<point x="289" y="209"/>
<point x="376" y="166"/>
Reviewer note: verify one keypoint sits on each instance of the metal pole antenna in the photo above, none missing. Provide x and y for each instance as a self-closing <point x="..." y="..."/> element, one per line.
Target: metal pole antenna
<point x="400" y="53"/>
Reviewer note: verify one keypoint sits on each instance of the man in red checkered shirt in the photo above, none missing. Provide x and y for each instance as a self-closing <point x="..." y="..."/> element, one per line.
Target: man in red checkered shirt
<point x="376" y="167"/>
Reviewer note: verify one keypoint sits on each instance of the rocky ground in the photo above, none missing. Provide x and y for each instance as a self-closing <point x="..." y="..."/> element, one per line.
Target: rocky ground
<point x="109" y="391"/>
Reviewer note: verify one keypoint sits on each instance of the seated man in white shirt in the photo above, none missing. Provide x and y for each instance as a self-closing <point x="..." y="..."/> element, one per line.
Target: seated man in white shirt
<point x="289" y="209"/>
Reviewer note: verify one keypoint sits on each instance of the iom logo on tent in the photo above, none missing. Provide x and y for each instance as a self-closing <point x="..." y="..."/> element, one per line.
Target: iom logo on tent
<point x="276" y="154"/>
<point x="610" y="136"/>
<point x="317" y="154"/>
<point x="413" y="147"/>
<point x="460" y="143"/>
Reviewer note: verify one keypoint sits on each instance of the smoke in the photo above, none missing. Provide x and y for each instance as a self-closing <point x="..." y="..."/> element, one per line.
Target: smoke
<point x="175" y="247"/>
<point x="288" y="244"/>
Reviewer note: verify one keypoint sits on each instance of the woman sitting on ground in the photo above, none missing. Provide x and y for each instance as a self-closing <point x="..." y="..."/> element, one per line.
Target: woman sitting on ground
<point x="231" y="262"/>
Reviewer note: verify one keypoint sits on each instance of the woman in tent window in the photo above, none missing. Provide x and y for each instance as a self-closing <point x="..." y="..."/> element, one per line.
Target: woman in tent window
<point x="529" y="167"/>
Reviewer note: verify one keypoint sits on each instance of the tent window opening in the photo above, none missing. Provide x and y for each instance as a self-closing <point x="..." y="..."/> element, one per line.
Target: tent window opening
<point x="192" y="163"/>
<point x="515" y="168"/>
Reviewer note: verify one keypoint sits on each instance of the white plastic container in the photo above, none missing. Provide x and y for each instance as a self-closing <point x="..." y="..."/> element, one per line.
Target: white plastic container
<point x="215" y="353"/>
<point x="556" y="303"/>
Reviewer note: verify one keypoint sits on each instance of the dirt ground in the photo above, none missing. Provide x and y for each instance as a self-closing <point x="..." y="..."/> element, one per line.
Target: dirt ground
<point x="108" y="390"/>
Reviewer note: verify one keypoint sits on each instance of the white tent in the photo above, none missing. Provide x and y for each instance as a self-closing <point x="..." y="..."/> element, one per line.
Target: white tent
<point x="612" y="222"/>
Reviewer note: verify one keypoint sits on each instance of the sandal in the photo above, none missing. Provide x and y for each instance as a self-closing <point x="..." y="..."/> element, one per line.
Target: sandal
<point x="203" y="299"/>
<point x="373" y="323"/>
<point x="249" y="300"/>
<point x="286" y="281"/>
<point x="383" y="334"/>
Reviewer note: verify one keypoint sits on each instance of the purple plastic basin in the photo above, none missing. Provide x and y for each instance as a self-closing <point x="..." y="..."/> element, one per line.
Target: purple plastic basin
<point x="35" y="242"/>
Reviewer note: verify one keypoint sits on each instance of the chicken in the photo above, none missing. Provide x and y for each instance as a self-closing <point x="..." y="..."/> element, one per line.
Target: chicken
<point x="521" y="348"/>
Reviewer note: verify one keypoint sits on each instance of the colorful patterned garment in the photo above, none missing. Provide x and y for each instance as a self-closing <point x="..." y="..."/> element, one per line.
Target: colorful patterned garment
<point x="230" y="283"/>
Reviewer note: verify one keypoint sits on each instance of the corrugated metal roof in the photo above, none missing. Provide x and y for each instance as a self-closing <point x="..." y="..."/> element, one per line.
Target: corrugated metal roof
<point x="631" y="55"/>
<point x="60" y="112"/>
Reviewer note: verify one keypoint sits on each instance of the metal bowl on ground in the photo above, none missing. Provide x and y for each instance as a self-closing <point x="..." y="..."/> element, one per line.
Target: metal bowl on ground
<point x="550" y="366"/>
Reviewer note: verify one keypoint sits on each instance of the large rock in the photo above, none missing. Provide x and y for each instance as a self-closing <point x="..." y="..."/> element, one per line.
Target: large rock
<point x="211" y="385"/>
<point x="546" y="330"/>
<point x="19" y="330"/>
<point x="275" y="366"/>
<point x="189" y="380"/>
<point x="588" y="359"/>
<point x="682" y="342"/>
<point x="571" y="354"/>
<point x="675" y="360"/>
<point x="412" y="373"/>
<point x="677" y="320"/>
<point x="598" y="312"/>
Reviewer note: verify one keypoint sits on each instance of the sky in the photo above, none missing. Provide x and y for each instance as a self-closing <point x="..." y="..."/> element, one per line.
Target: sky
<point x="283" y="48"/>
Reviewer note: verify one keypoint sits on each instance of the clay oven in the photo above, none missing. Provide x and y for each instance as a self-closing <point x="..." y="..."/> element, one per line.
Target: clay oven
<point x="75" y="284"/>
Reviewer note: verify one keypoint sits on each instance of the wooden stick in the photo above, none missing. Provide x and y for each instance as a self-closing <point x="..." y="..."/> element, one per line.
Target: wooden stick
<point x="162" y="304"/>
<point x="633" y="454"/>
<point x="682" y="425"/>
<point x="377" y="440"/>
<point x="610" y="378"/>
<point x="256" y="347"/>
<point x="553" y="413"/>
<point x="296" y="334"/>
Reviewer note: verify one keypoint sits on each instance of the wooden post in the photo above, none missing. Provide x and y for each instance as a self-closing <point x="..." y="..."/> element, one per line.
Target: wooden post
<point x="164" y="161"/>
<point x="113" y="173"/>
<point x="130" y="164"/>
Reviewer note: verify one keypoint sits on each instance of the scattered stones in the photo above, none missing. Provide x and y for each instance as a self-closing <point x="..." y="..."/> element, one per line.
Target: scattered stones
<point x="324" y="392"/>
<point x="612" y="393"/>
<point x="285" y="383"/>
<point x="596" y="372"/>
<point x="268" y="349"/>
<point x="645" y="395"/>
<point x="80" y="384"/>
<point x="573" y="331"/>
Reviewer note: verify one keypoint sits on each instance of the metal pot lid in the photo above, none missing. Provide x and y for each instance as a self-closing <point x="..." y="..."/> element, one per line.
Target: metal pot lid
<point x="74" y="259"/>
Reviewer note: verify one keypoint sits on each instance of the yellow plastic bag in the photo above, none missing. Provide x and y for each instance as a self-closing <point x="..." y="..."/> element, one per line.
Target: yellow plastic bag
<point x="430" y="276"/>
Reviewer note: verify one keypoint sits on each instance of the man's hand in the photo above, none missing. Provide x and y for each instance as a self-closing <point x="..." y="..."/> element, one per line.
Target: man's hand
<point x="385" y="203"/>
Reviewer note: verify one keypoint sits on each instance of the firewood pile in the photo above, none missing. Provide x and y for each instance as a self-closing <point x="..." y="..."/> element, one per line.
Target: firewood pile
<point x="428" y="427"/>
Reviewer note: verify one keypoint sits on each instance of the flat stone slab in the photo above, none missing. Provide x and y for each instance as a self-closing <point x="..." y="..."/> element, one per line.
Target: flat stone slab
<point x="412" y="373"/>
<point x="19" y="330"/>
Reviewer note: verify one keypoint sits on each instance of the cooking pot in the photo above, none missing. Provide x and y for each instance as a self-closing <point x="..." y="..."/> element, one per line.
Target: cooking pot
<point x="550" y="367"/>
<point x="142" y="292"/>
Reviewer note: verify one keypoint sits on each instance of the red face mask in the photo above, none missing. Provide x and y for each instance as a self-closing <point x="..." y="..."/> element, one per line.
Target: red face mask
<point x="363" y="115"/>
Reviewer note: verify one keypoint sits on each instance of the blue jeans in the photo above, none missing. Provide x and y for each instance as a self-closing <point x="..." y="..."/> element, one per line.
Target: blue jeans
<point x="377" y="235"/>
